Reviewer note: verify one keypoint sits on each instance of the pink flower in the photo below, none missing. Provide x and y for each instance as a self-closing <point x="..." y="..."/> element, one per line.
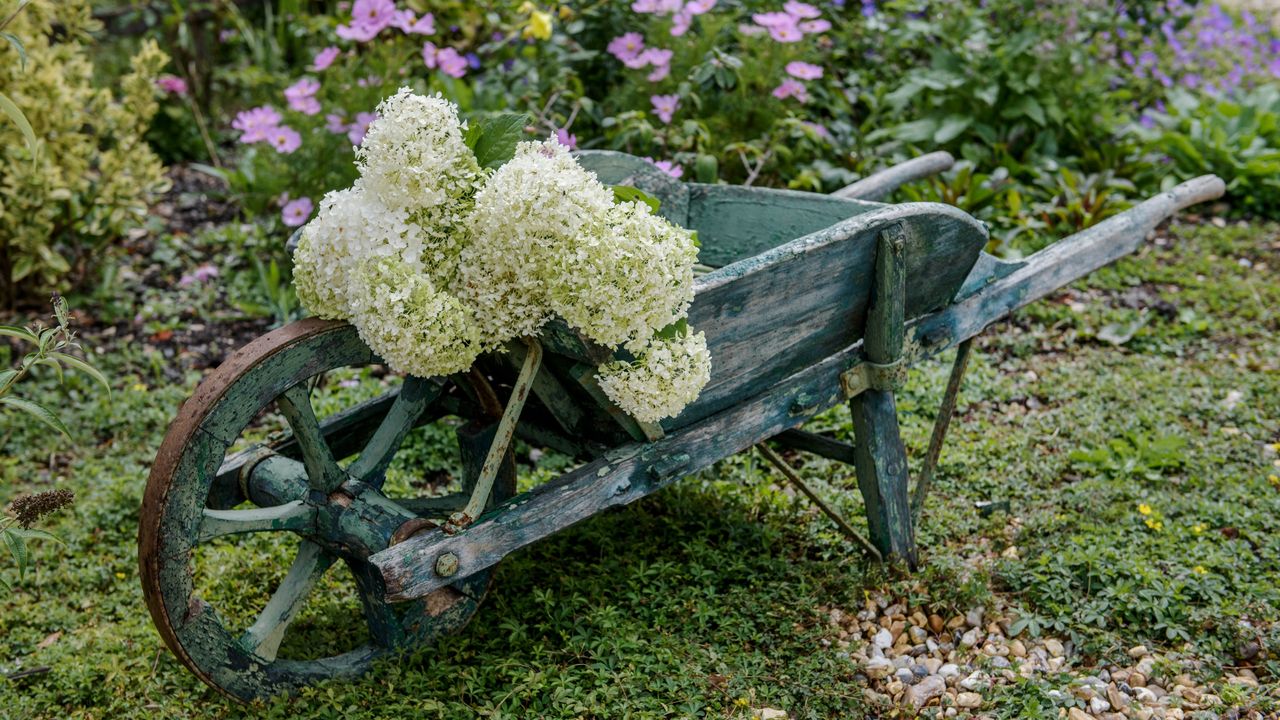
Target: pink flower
<point x="335" y="123"/>
<point x="791" y="89"/>
<point x="750" y="30"/>
<point x="368" y="18"/>
<point x="680" y="22"/>
<point x="325" y="58"/>
<point x="801" y="11"/>
<point x="660" y="72"/>
<point x="660" y="59"/>
<point x="566" y="139"/>
<point x="357" y="129"/>
<point x="256" y="123"/>
<point x="665" y="106"/>
<point x="819" y="130"/>
<point x="626" y="47"/>
<point x="404" y="20"/>
<point x="284" y="139"/>
<point x="296" y="212"/>
<point x="815" y="26"/>
<point x="201" y="274"/>
<point x="771" y="19"/>
<point x="786" y="33"/>
<point x="172" y="84"/>
<point x="699" y="7"/>
<point x="301" y="96"/>
<point x="451" y="62"/>
<point x="668" y="167"/>
<point x="656" y="7"/>
<point x="804" y="70"/>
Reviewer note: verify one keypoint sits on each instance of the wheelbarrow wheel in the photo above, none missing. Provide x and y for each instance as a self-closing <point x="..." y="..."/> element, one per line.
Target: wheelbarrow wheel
<point x="338" y="514"/>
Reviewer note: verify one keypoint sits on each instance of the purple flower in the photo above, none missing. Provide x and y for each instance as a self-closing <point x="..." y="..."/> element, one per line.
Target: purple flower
<point x="201" y="274"/>
<point x="791" y="89"/>
<point x="699" y="7"/>
<point x="297" y="211"/>
<point x="335" y="123"/>
<point x="787" y="33"/>
<point x="565" y="138"/>
<point x="668" y="167"/>
<point x="626" y="47"/>
<point x="656" y="7"/>
<point x="665" y="106"/>
<point x="451" y="62"/>
<point x="868" y="8"/>
<point x="804" y="70"/>
<point x="256" y="123"/>
<point x="172" y="84"/>
<point x="801" y="11"/>
<point x="815" y="26"/>
<point x="660" y="59"/>
<point x="368" y="18"/>
<point x="357" y="129"/>
<point x="301" y="96"/>
<point x="284" y="139"/>
<point x="325" y="58"/>
<point x="770" y="19"/>
<point x="680" y="22"/>
<point x="405" y="22"/>
<point x="819" y="130"/>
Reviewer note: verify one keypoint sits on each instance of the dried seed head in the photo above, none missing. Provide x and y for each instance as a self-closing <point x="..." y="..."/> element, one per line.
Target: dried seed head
<point x="30" y="508"/>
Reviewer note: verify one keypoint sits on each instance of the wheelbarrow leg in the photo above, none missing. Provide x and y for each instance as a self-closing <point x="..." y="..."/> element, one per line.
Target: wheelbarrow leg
<point x="879" y="456"/>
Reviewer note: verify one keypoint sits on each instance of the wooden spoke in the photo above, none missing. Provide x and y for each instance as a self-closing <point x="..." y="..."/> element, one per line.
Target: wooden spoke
<point x="296" y="516"/>
<point x="384" y="625"/>
<point x="415" y="395"/>
<point x="264" y="636"/>
<point x="323" y="472"/>
<point x="443" y="504"/>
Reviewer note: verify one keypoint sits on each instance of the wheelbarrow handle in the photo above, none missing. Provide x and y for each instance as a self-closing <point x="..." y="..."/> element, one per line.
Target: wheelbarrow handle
<point x="877" y="185"/>
<point x="291" y="244"/>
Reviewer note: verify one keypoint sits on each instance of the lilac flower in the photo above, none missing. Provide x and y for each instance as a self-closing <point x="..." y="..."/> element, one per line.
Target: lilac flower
<point x="301" y="96"/>
<point x="405" y="22"/>
<point x="770" y="19"/>
<point x="626" y="47"/>
<point x="665" y="106"/>
<point x="451" y="62"/>
<point x="201" y="274"/>
<point x="804" y="70"/>
<point x="699" y="7"/>
<point x="256" y="123"/>
<point x="172" y="84"/>
<point x="284" y="139"/>
<point x="565" y="138"/>
<point x="335" y="123"/>
<point x="660" y="59"/>
<point x="787" y="33"/>
<point x="368" y="18"/>
<point x="296" y="212"/>
<point x="357" y="129"/>
<point x="473" y="61"/>
<point x="668" y="167"/>
<point x="791" y="89"/>
<point x="680" y="22"/>
<point x="325" y="58"/>
<point x="656" y="7"/>
<point x="815" y="26"/>
<point x="868" y="8"/>
<point x="800" y="10"/>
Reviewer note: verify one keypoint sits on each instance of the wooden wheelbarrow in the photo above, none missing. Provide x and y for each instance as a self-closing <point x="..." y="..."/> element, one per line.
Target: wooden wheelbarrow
<point x="813" y="300"/>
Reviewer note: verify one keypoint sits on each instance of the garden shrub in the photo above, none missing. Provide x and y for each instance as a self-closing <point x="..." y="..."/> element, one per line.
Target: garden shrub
<point x="93" y="174"/>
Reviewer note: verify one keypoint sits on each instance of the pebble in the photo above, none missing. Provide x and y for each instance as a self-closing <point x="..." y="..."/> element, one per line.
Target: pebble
<point x="974" y="617"/>
<point x="882" y="639"/>
<point x="772" y="714"/>
<point x="878" y="668"/>
<point x="968" y="700"/>
<point x="1138" y="651"/>
<point x="1078" y="714"/>
<point x="904" y="676"/>
<point x="1097" y="706"/>
<point x="918" y="635"/>
<point x="949" y="670"/>
<point x="999" y="662"/>
<point x="977" y="681"/>
<point x="1054" y="647"/>
<point x="936" y="624"/>
<point x="920" y="694"/>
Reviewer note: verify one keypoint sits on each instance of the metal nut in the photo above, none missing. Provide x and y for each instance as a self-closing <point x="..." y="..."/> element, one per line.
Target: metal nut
<point x="447" y="565"/>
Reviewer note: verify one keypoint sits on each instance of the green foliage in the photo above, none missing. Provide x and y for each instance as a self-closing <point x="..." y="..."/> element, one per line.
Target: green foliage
<point x="493" y="138"/>
<point x="94" y="173"/>
<point x="1236" y="138"/>
<point x="1132" y="455"/>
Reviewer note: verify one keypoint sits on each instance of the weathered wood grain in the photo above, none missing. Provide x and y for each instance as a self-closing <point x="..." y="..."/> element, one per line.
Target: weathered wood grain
<point x="880" y="184"/>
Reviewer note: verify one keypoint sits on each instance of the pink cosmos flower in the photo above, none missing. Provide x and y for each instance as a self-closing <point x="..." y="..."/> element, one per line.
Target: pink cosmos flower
<point x="750" y="30"/>
<point x="451" y="62"/>
<point x="665" y="106"/>
<point x="404" y="21"/>
<point x="301" y="96"/>
<point x="699" y="7"/>
<point x="368" y="18"/>
<point x="357" y="129"/>
<point x="172" y="84"/>
<point x="680" y="22"/>
<point x="801" y="11"/>
<point x="626" y="47"/>
<point x="325" y="58"/>
<point x="791" y="89"/>
<point x="660" y="73"/>
<point x="804" y="70"/>
<point x="815" y="26"/>
<point x="770" y="19"/>
<point x="296" y="212"/>
<point x="256" y="123"/>
<point x="668" y="167"/>
<point x="284" y="139"/>
<point x="786" y="33"/>
<point x="660" y="59"/>
<point x="656" y="7"/>
<point x="335" y="123"/>
<point x="565" y="138"/>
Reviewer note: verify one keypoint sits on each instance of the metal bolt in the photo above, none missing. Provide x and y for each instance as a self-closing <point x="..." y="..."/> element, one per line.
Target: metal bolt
<point x="447" y="565"/>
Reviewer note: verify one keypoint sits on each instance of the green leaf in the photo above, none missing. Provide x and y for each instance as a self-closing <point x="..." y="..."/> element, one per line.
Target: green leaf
<point x="493" y="139"/>
<point x="77" y="364"/>
<point x="951" y="127"/>
<point x="14" y="331"/>
<point x="32" y="534"/>
<point x="40" y="412"/>
<point x="18" y="549"/>
<point x="675" y="329"/>
<point x="626" y="193"/>
<point x="18" y="46"/>
<point x="8" y="107"/>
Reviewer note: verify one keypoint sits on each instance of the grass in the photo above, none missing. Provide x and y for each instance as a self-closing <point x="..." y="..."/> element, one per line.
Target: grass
<point x="1137" y="477"/>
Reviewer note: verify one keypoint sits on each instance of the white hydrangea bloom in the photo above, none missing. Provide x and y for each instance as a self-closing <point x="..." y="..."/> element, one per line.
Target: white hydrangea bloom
<point x="627" y="283"/>
<point x="325" y="252"/>
<point x="416" y="328"/>
<point x="664" y="378"/>
<point x="535" y="207"/>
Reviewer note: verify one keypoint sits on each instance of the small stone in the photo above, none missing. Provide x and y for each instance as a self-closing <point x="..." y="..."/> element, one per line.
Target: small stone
<point x="999" y="662"/>
<point x="1054" y="647"/>
<point x="904" y="676"/>
<point x="936" y="624"/>
<point x="933" y="665"/>
<point x="1078" y="714"/>
<point x="1145" y="666"/>
<point x="970" y="638"/>
<point x="1242" y="679"/>
<point x="883" y="639"/>
<point x="918" y="619"/>
<point x="878" y="668"/>
<point x="1097" y="706"/>
<point x="976" y="681"/>
<point x="1017" y="649"/>
<point x="895" y="611"/>
<point x="894" y="688"/>
<point x="920" y="694"/>
<point x="919" y="671"/>
<point x="1138" y="651"/>
<point x="918" y="635"/>
<point x="968" y="700"/>
<point x="955" y="623"/>
<point x="1144" y="695"/>
<point x="949" y="670"/>
<point x="1118" y="699"/>
<point x="973" y="618"/>
<point x="1137" y="679"/>
<point x="771" y="714"/>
